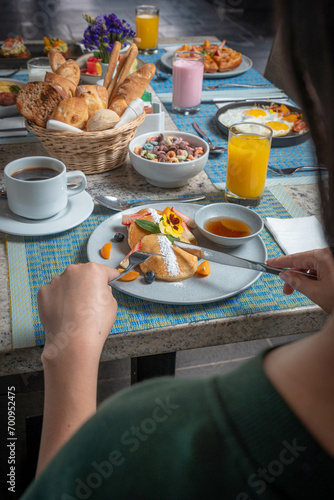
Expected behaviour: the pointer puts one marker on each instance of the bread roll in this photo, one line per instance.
(56, 59)
(96, 97)
(69, 69)
(103, 119)
(61, 84)
(37, 101)
(73, 111)
(134, 86)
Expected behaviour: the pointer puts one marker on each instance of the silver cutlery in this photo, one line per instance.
(234, 261)
(289, 171)
(11, 74)
(135, 259)
(213, 149)
(245, 85)
(117, 204)
(161, 76)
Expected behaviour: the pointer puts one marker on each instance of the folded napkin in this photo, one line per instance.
(14, 122)
(298, 234)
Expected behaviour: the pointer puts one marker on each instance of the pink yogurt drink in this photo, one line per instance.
(187, 83)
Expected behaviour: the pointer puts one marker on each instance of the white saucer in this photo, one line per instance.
(78, 209)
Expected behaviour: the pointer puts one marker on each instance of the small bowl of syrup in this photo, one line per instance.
(228, 225)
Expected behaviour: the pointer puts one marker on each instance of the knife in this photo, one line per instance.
(232, 260)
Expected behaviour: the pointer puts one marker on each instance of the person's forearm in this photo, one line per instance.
(70, 400)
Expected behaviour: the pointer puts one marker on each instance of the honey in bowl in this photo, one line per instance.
(228, 227)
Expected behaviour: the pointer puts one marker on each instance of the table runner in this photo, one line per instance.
(32, 262)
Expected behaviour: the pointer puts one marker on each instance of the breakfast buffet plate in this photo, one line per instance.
(234, 113)
(222, 282)
(11, 110)
(246, 63)
(78, 209)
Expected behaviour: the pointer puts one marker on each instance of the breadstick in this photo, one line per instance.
(137, 41)
(112, 63)
(123, 69)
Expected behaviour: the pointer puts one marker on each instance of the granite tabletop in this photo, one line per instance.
(126, 183)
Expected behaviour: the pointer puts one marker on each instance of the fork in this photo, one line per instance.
(135, 259)
(246, 85)
(289, 171)
(12, 73)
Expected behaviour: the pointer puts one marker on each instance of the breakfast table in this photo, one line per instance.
(148, 332)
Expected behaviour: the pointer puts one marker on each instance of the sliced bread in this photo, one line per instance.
(37, 101)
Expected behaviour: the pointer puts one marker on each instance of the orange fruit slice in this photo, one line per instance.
(204, 268)
(130, 276)
(106, 250)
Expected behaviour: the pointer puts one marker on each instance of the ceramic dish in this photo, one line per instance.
(78, 209)
(6, 111)
(168, 175)
(251, 218)
(246, 63)
(292, 139)
(223, 281)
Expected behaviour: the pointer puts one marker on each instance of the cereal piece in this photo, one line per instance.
(151, 156)
(173, 160)
(181, 157)
(171, 154)
(148, 145)
(138, 150)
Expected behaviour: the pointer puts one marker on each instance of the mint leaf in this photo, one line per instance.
(152, 227)
(172, 238)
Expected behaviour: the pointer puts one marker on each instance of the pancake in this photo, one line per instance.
(174, 265)
(136, 233)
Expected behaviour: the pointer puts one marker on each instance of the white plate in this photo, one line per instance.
(222, 282)
(78, 209)
(10, 110)
(246, 63)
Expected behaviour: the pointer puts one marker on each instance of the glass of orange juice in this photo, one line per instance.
(247, 162)
(147, 24)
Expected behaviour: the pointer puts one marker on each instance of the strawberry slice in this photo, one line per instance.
(128, 218)
(186, 219)
(125, 262)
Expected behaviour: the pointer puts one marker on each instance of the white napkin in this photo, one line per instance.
(297, 234)
(11, 123)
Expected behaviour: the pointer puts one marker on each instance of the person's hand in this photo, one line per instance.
(319, 262)
(77, 310)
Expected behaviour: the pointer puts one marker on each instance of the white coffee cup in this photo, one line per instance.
(42, 198)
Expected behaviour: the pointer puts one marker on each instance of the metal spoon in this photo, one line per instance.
(289, 171)
(161, 76)
(117, 204)
(213, 149)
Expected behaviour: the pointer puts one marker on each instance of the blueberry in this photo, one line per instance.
(149, 276)
(118, 237)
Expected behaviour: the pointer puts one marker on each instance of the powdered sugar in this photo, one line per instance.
(156, 217)
(169, 256)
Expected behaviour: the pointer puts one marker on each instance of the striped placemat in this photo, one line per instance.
(32, 262)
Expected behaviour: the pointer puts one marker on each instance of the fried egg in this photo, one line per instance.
(268, 117)
(279, 128)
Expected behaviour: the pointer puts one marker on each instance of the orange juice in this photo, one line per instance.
(247, 164)
(147, 29)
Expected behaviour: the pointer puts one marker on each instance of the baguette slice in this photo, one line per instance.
(70, 70)
(134, 86)
(37, 101)
(56, 59)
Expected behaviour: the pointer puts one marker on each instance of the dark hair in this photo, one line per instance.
(308, 35)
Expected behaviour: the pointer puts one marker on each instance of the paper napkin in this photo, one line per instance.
(8, 124)
(297, 234)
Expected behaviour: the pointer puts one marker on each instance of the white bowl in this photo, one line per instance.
(12, 110)
(168, 175)
(251, 218)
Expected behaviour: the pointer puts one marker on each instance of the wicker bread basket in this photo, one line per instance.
(90, 152)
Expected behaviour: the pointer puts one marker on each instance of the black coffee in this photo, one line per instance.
(35, 174)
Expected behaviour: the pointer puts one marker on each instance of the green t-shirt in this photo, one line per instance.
(226, 437)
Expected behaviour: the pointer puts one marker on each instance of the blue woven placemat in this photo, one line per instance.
(32, 262)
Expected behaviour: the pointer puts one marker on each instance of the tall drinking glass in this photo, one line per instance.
(147, 25)
(247, 162)
(188, 69)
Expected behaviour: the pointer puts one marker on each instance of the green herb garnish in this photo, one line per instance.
(14, 88)
(152, 227)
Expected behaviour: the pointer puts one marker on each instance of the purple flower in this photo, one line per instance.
(102, 33)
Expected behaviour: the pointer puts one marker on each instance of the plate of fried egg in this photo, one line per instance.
(285, 120)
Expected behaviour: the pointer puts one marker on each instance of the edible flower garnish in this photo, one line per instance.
(171, 223)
